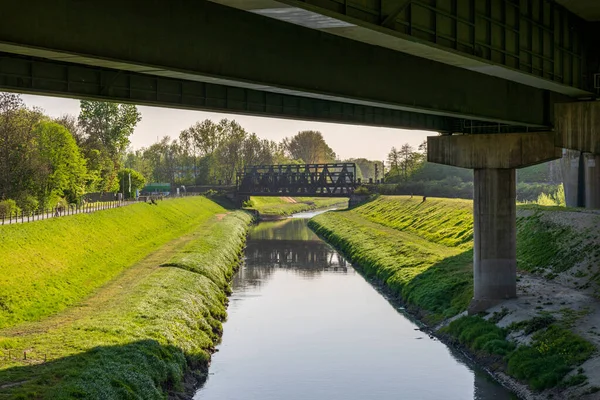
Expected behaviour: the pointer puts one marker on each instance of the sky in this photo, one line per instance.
(348, 141)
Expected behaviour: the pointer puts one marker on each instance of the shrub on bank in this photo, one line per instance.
(8, 208)
(552, 354)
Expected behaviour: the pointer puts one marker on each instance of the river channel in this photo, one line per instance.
(304, 325)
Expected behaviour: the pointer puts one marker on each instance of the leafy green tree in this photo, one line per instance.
(393, 160)
(108, 125)
(201, 140)
(104, 134)
(17, 147)
(229, 154)
(130, 180)
(61, 170)
(309, 146)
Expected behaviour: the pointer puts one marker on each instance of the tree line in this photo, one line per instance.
(45, 162)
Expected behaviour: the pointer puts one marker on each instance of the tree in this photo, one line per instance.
(104, 136)
(17, 147)
(130, 180)
(407, 160)
(365, 168)
(393, 160)
(60, 169)
(229, 156)
(202, 139)
(108, 125)
(310, 147)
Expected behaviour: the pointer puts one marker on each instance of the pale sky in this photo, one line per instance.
(348, 141)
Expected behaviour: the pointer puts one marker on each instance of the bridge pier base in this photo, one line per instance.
(494, 159)
(494, 237)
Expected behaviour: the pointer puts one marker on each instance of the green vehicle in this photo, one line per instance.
(157, 189)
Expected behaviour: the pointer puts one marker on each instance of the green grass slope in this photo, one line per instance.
(137, 336)
(422, 252)
(49, 265)
(419, 250)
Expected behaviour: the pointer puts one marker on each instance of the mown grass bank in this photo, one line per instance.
(422, 253)
(49, 265)
(284, 206)
(139, 335)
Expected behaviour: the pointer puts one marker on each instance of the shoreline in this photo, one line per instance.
(415, 314)
(401, 257)
(278, 217)
(141, 325)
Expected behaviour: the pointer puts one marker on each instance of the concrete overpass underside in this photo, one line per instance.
(201, 41)
(506, 81)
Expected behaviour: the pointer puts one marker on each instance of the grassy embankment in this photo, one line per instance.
(422, 252)
(284, 206)
(109, 322)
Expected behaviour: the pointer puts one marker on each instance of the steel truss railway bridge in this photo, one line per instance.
(312, 180)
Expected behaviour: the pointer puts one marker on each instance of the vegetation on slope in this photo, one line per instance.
(554, 350)
(138, 335)
(283, 206)
(417, 249)
(421, 252)
(547, 247)
(49, 265)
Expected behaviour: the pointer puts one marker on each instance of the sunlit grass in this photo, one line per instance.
(419, 250)
(48, 265)
(422, 252)
(138, 335)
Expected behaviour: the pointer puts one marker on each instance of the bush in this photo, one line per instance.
(362, 190)
(29, 204)
(553, 353)
(8, 208)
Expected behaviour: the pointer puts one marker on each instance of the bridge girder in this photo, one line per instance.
(206, 42)
(535, 42)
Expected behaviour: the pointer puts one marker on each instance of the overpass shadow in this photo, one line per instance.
(144, 367)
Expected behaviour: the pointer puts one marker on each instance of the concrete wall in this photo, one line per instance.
(570, 164)
(577, 126)
(515, 150)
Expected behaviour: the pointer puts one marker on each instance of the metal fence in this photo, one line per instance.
(47, 213)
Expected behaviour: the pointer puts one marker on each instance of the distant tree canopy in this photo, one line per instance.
(367, 169)
(209, 152)
(310, 147)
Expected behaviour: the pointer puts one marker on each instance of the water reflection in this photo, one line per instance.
(303, 325)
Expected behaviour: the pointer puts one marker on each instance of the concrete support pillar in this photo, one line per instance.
(577, 127)
(494, 159)
(591, 167)
(495, 237)
(573, 178)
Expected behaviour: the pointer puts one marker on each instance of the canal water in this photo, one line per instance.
(304, 325)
